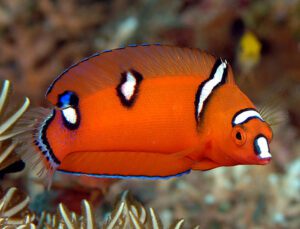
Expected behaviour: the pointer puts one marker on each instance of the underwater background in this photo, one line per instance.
(260, 39)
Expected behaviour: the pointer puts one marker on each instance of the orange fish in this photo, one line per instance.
(148, 111)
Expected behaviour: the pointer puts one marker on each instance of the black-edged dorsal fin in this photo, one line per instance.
(104, 69)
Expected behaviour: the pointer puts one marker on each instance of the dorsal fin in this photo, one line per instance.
(104, 69)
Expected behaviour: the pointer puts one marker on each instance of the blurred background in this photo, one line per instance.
(261, 40)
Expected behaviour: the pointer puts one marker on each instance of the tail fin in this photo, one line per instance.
(31, 147)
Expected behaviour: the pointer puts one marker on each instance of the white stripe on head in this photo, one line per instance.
(128, 87)
(245, 115)
(70, 115)
(210, 85)
(262, 147)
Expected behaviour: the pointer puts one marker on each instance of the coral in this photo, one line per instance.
(7, 156)
(128, 213)
(14, 209)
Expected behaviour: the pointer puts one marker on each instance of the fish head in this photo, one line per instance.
(250, 141)
(238, 133)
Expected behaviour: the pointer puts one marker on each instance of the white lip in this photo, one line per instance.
(262, 147)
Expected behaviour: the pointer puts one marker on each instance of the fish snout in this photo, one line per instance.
(261, 147)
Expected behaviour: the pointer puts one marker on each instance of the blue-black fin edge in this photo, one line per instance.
(118, 176)
(92, 56)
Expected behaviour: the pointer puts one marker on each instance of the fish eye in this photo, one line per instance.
(239, 135)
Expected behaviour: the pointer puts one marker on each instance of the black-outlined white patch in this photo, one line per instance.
(217, 78)
(68, 103)
(128, 87)
(245, 115)
(70, 115)
(42, 142)
(261, 147)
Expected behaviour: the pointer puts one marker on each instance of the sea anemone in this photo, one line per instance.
(7, 119)
(128, 213)
(14, 209)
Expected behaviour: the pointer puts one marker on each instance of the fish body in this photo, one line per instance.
(150, 112)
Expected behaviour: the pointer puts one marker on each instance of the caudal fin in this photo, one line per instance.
(31, 146)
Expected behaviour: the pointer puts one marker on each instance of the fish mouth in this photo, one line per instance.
(262, 149)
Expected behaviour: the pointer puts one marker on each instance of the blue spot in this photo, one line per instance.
(65, 99)
(68, 98)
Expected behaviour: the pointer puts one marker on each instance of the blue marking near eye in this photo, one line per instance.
(65, 99)
(126, 176)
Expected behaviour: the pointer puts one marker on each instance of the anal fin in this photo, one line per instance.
(125, 164)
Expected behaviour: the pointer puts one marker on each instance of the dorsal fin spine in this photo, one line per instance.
(69, 68)
(100, 71)
(92, 56)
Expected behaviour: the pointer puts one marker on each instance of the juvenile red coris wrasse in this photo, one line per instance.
(147, 111)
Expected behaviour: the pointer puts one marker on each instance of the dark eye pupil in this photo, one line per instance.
(238, 136)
